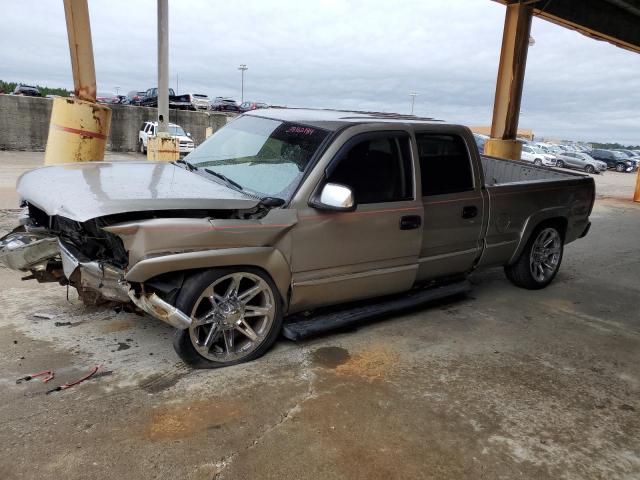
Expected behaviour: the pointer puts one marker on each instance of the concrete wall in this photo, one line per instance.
(24, 123)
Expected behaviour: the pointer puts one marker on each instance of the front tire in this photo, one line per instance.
(620, 167)
(236, 317)
(590, 169)
(540, 260)
(537, 162)
(560, 164)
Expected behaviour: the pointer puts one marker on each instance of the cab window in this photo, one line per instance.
(376, 170)
(445, 166)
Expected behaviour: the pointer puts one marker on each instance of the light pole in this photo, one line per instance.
(413, 100)
(242, 69)
(117, 91)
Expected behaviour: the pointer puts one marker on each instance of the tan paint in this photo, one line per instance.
(81, 49)
(497, 147)
(513, 59)
(163, 148)
(78, 131)
(636, 194)
(269, 259)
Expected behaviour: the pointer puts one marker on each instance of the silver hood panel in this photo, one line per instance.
(82, 191)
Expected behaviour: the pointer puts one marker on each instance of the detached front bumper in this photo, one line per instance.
(94, 280)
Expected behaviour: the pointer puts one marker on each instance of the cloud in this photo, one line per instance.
(342, 54)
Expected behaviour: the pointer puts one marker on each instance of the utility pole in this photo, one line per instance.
(177, 82)
(163, 65)
(117, 91)
(413, 100)
(242, 69)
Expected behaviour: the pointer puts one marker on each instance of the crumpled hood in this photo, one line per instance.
(82, 191)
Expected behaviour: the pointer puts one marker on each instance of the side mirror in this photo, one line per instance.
(334, 197)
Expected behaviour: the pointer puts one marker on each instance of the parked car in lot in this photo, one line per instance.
(287, 211)
(480, 141)
(118, 99)
(134, 97)
(581, 161)
(220, 104)
(629, 153)
(199, 101)
(180, 102)
(248, 106)
(27, 91)
(533, 154)
(149, 129)
(616, 160)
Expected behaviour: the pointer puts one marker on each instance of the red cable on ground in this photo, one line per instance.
(49, 376)
(75, 382)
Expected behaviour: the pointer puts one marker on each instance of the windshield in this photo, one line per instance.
(264, 155)
(176, 130)
(620, 155)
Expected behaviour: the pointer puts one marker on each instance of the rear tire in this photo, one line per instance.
(226, 328)
(540, 260)
(590, 169)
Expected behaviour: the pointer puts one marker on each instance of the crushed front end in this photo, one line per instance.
(78, 254)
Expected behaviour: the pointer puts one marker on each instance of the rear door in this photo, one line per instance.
(454, 206)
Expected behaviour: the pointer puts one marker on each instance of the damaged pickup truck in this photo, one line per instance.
(284, 213)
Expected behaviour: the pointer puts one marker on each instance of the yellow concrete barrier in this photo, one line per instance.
(636, 195)
(208, 132)
(163, 148)
(78, 131)
(496, 147)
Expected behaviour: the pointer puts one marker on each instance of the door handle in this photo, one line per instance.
(410, 222)
(470, 211)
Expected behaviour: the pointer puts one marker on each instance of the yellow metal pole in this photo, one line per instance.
(513, 60)
(636, 195)
(79, 127)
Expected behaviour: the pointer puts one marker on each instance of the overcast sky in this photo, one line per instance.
(365, 55)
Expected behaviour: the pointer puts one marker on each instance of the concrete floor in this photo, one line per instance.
(502, 384)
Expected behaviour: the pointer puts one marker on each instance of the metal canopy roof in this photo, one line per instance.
(615, 21)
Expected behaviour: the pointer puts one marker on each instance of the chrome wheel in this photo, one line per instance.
(560, 164)
(232, 317)
(545, 254)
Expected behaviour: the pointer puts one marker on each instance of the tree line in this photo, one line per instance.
(9, 87)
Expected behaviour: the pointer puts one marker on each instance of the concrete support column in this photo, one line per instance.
(79, 128)
(513, 60)
(163, 147)
(163, 66)
(636, 195)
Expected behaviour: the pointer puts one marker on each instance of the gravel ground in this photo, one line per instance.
(501, 384)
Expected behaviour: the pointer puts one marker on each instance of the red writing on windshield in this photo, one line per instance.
(301, 130)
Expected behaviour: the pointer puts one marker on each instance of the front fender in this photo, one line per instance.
(270, 259)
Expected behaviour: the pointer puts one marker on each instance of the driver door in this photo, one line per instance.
(372, 250)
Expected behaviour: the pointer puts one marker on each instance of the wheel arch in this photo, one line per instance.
(268, 259)
(557, 217)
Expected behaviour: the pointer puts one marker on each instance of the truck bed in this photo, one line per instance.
(522, 196)
(498, 171)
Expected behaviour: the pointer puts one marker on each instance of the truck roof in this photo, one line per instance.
(335, 119)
